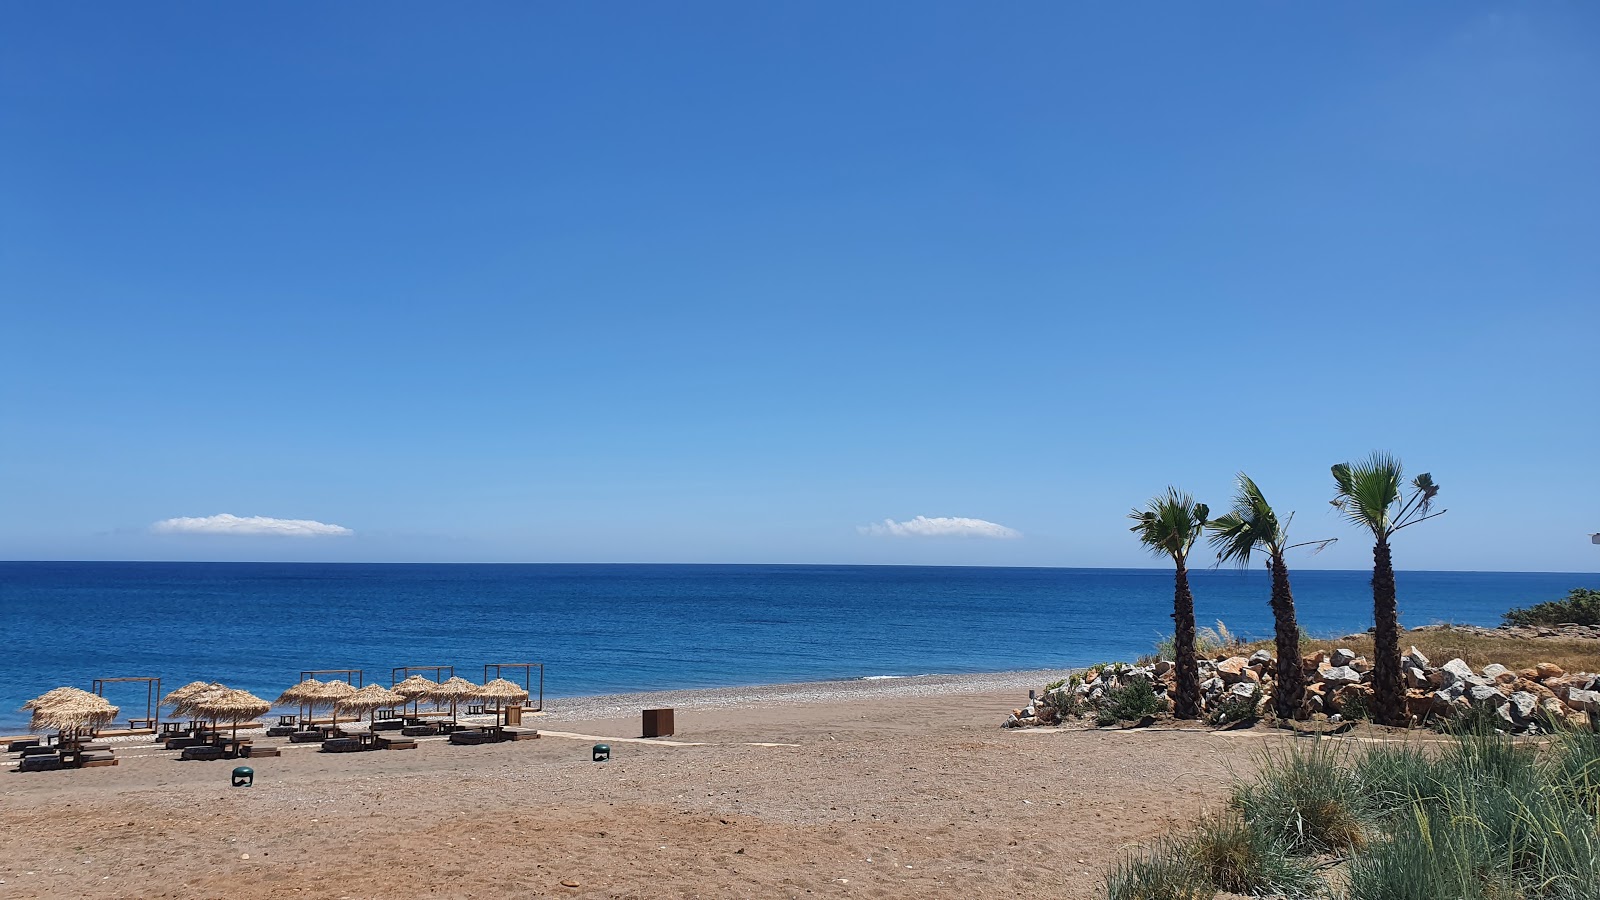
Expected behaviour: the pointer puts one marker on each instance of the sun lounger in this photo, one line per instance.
(40, 763)
(387, 743)
(341, 745)
(202, 752)
(419, 730)
(512, 733)
(253, 752)
(21, 744)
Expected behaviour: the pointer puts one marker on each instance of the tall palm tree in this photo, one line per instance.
(1373, 496)
(1169, 525)
(1253, 525)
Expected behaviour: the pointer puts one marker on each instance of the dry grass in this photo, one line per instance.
(1477, 650)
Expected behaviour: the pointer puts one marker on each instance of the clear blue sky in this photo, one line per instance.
(728, 282)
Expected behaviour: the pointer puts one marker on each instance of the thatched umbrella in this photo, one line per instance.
(70, 710)
(188, 705)
(303, 694)
(370, 699)
(331, 693)
(179, 698)
(454, 689)
(415, 689)
(233, 705)
(57, 695)
(502, 691)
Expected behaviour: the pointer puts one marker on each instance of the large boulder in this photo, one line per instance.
(1233, 668)
(1523, 705)
(1415, 659)
(1415, 677)
(1584, 701)
(1361, 664)
(1341, 675)
(1342, 657)
(1312, 662)
(1549, 670)
(1497, 672)
(1456, 670)
(1484, 695)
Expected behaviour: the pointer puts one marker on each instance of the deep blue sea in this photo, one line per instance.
(613, 628)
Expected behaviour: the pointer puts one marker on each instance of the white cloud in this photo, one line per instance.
(226, 523)
(941, 526)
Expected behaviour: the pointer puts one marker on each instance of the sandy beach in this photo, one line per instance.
(889, 788)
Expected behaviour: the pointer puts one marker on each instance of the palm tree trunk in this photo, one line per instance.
(1186, 705)
(1388, 694)
(1290, 688)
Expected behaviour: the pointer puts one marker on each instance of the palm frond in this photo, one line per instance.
(1170, 523)
(1366, 491)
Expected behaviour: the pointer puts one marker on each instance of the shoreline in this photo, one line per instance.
(872, 687)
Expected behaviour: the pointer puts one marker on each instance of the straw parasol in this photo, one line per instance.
(178, 698)
(331, 692)
(454, 689)
(415, 688)
(301, 694)
(501, 690)
(57, 695)
(370, 699)
(69, 709)
(235, 706)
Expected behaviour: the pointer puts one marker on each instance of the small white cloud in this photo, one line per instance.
(226, 523)
(941, 526)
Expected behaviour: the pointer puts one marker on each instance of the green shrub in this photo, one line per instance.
(1162, 870)
(1067, 704)
(1233, 708)
(1235, 857)
(1581, 605)
(1306, 797)
(1573, 767)
(1133, 699)
(1396, 776)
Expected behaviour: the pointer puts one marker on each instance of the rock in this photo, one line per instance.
(1418, 705)
(1415, 677)
(1242, 689)
(1457, 670)
(1481, 694)
(1213, 685)
(1504, 712)
(1530, 674)
(1522, 705)
(1250, 677)
(1232, 668)
(1342, 657)
(1549, 670)
(1311, 662)
(1360, 664)
(1415, 659)
(1584, 701)
(1534, 688)
(1340, 675)
(1493, 671)
(1161, 667)
(1261, 658)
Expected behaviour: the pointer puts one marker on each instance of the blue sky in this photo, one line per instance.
(734, 282)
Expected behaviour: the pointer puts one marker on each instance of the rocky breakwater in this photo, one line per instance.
(1339, 687)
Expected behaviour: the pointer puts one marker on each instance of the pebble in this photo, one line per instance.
(570, 882)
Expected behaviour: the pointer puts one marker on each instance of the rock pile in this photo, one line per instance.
(1339, 686)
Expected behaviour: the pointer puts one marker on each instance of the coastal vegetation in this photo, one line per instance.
(1488, 817)
(1581, 606)
(1168, 526)
(1253, 525)
(1372, 495)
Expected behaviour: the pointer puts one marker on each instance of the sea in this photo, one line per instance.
(602, 629)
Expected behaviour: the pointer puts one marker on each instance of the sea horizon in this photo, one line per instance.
(619, 628)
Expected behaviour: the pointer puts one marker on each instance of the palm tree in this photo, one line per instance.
(1249, 526)
(1169, 525)
(1372, 495)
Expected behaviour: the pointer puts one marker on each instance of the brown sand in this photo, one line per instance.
(901, 788)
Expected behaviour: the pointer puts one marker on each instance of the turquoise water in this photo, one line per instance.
(612, 628)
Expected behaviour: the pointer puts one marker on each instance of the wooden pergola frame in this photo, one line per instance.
(527, 681)
(152, 707)
(354, 676)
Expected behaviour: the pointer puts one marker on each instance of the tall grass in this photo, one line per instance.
(1488, 818)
